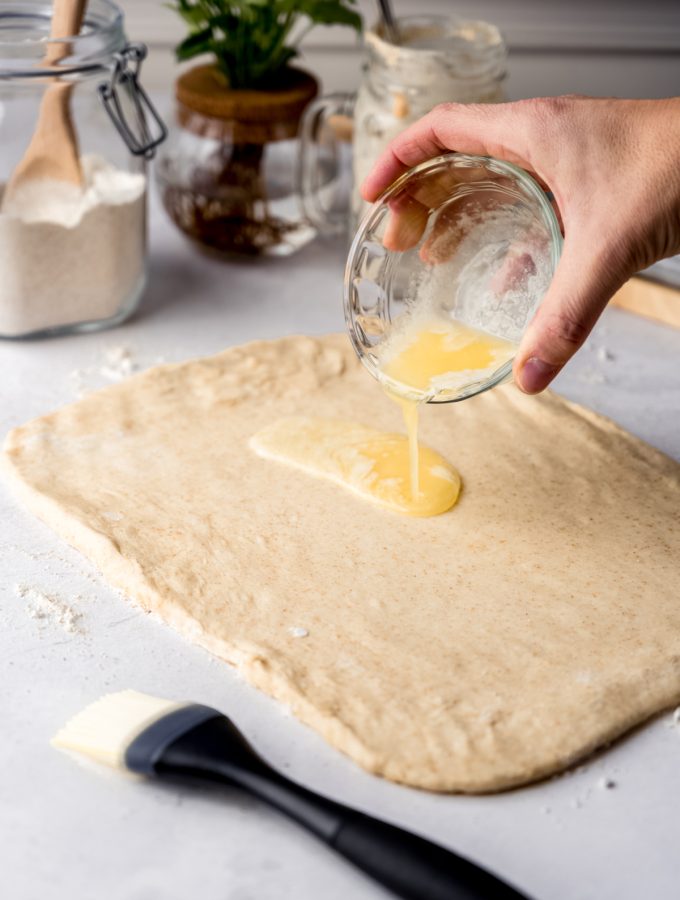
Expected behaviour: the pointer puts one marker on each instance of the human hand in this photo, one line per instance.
(613, 167)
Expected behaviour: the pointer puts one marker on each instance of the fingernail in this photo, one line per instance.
(535, 375)
(366, 195)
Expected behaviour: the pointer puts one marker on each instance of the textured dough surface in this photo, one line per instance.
(471, 651)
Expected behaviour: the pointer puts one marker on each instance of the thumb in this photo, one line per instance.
(583, 284)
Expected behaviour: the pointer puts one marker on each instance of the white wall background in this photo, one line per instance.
(628, 48)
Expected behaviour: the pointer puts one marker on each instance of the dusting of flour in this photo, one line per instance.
(49, 608)
(112, 363)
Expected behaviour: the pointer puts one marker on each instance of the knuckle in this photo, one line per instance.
(546, 118)
(442, 110)
(564, 330)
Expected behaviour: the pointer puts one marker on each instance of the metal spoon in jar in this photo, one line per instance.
(389, 21)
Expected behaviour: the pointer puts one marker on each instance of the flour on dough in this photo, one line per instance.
(471, 651)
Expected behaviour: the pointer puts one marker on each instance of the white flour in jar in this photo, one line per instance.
(71, 254)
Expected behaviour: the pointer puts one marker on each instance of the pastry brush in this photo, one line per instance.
(165, 739)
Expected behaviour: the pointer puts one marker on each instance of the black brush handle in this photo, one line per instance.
(212, 748)
(413, 867)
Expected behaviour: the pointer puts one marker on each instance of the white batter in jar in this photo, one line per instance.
(438, 60)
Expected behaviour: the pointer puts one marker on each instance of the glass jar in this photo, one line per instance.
(227, 175)
(72, 253)
(458, 253)
(438, 59)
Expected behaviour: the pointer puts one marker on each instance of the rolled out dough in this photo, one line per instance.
(472, 651)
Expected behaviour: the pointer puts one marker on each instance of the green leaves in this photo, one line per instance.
(324, 12)
(253, 40)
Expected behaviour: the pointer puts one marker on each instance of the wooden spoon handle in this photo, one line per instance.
(53, 150)
(67, 18)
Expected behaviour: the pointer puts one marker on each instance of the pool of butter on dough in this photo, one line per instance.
(425, 356)
(373, 464)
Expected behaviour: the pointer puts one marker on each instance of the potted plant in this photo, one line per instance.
(226, 175)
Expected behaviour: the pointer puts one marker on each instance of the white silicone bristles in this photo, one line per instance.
(105, 729)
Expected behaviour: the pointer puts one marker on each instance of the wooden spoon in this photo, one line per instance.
(53, 151)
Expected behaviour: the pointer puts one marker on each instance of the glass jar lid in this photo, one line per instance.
(25, 39)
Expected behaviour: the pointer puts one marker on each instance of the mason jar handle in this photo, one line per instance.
(327, 124)
(148, 129)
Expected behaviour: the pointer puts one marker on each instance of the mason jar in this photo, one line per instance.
(72, 249)
(438, 59)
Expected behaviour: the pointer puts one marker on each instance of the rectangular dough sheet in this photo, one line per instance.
(476, 650)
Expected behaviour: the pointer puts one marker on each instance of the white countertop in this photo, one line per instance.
(67, 832)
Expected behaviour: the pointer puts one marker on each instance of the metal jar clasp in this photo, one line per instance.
(128, 105)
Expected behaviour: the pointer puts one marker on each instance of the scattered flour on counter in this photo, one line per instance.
(595, 374)
(119, 363)
(605, 355)
(49, 557)
(77, 379)
(606, 784)
(49, 608)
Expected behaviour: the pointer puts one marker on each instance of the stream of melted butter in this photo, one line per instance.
(432, 357)
(391, 469)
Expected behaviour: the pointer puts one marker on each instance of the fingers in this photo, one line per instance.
(406, 223)
(452, 224)
(582, 286)
(484, 129)
(428, 197)
(410, 207)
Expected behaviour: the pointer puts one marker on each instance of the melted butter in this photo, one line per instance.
(426, 359)
(433, 356)
(430, 357)
(373, 464)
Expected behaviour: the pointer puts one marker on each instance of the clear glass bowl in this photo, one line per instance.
(464, 238)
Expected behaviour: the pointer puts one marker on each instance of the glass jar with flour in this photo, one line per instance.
(76, 129)
(438, 59)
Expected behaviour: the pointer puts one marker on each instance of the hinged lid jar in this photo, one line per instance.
(72, 255)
